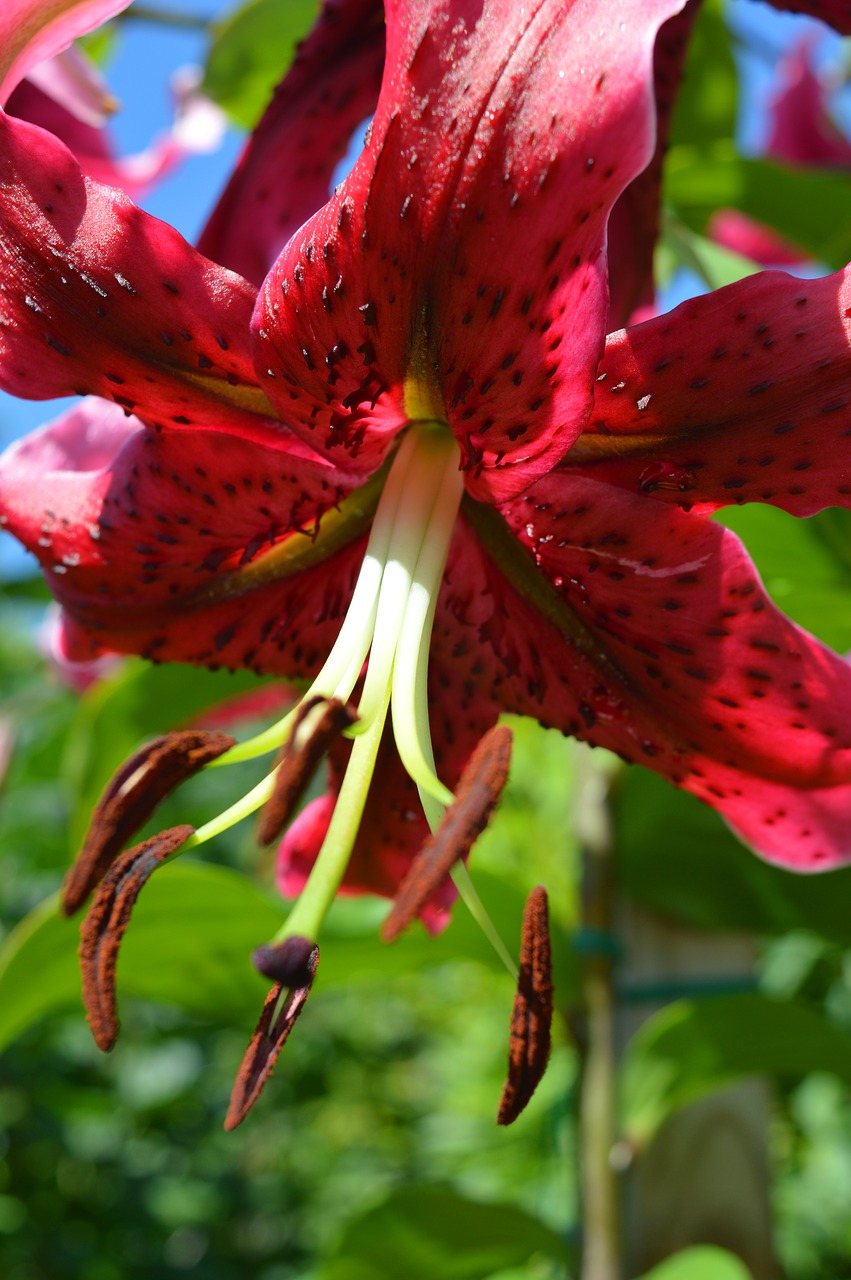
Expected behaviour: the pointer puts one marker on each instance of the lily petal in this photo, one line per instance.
(33, 30)
(287, 168)
(743, 395)
(107, 299)
(501, 140)
(148, 544)
(659, 642)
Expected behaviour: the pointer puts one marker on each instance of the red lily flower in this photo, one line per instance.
(413, 449)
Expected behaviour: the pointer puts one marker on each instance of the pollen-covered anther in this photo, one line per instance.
(297, 959)
(106, 923)
(532, 1015)
(319, 722)
(131, 796)
(476, 797)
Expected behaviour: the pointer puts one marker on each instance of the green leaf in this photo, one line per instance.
(705, 107)
(676, 856)
(251, 52)
(138, 703)
(801, 571)
(702, 1263)
(424, 1231)
(715, 265)
(809, 207)
(190, 944)
(692, 1048)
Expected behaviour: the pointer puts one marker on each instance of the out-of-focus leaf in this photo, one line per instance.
(702, 1263)
(352, 952)
(833, 529)
(192, 935)
(705, 109)
(140, 702)
(715, 265)
(692, 1048)
(190, 944)
(676, 856)
(808, 207)
(425, 1231)
(802, 573)
(250, 53)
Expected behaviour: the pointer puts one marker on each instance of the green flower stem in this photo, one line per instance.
(307, 915)
(243, 808)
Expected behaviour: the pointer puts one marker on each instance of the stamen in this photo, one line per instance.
(104, 927)
(282, 1006)
(131, 796)
(466, 818)
(343, 665)
(302, 755)
(531, 1017)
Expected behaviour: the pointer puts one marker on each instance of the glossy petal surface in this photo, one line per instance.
(465, 249)
(33, 30)
(743, 395)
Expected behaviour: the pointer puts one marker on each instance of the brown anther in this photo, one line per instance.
(131, 796)
(299, 763)
(106, 922)
(532, 1015)
(269, 1038)
(464, 821)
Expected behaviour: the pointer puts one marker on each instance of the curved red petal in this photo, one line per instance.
(657, 640)
(743, 395)
(99, 297)
(465, 251)
(286, 171)
(163, 544)
(837, 13)
(33, 30)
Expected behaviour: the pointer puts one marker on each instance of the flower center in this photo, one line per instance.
(389, 623)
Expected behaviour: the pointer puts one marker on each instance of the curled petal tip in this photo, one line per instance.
(476, 797)
(106, 923)
(531, 1017)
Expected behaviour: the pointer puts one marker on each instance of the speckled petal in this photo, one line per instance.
(466, 248)
(99, 297)
(286, 171)
(743, 395)
(647, 631)
(153, 547)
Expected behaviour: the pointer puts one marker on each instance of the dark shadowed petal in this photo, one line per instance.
(106, 299)
(837, 13)
(647, 631)
(634, 222)
(739, 396)
(466, 249)
(165, 544)
(286, 172)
